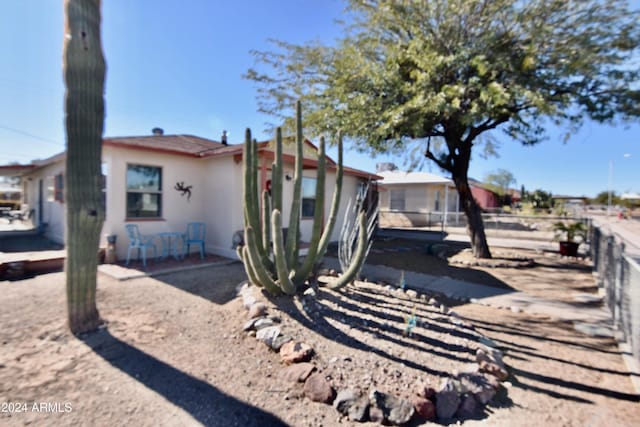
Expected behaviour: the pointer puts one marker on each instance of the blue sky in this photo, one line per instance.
(178, 65)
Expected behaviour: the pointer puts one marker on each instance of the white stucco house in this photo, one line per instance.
(145, 178)
(415, 199)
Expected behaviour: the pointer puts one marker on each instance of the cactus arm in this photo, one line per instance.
(276, 174)
(305, 270)
(359, 256)
(242, 252)
(288, 287)
(266, 225)
(335, 204)
(293, 237)
(255, 261)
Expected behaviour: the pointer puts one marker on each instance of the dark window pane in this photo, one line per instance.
(308, 206)
(144, 205)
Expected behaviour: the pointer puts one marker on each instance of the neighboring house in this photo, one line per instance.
(417, 199)
(485, 197)
(162, 182)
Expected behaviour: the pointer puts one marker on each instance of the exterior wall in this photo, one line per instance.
(177, 210)
(46, 210)
(222, 204)
(420, 203)
(485, 198)
(216, 198)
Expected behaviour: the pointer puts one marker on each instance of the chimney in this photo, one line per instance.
(223, 139)
(157, 131)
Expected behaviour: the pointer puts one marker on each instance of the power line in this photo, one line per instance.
(30, 135)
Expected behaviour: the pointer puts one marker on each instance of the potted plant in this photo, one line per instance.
(570, 235)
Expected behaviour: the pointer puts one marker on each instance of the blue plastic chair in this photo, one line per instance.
(195, 235)
(140, 242)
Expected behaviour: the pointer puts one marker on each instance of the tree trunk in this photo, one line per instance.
(475, 225)
(84, 74)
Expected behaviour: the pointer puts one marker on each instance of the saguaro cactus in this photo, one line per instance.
(275, 265)
(84, 73)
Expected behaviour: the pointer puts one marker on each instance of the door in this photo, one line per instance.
(40, 201)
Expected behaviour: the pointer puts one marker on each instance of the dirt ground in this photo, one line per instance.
(172, 351)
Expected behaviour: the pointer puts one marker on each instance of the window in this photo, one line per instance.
(50, 183)
(58, 188)
(144, 191)
(308, 196)
(436, 206)
(396, 202)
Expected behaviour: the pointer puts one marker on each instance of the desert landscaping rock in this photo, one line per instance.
(351, 404)
(257, 310)
(395, 410)
(263, 322)
(494, 369)
(468, 408)
(295, 352)
(447, 400)
(424, 407)
(298, 372)
(277, 343)
(268, 334)
(318, 389)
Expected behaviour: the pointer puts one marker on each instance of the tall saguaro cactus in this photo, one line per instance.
(84, 74)
(275, 264)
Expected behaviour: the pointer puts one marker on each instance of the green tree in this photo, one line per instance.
(500, 181)
(454, 72)
(84, 71)
(602, 198)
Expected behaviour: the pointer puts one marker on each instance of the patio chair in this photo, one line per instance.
(195, 236)
(24, 214)
(140, 242)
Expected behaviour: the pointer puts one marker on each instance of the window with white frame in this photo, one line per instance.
(436, 204)
(144, 191)
(396, 199)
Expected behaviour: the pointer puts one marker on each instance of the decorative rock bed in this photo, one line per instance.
(460, 396)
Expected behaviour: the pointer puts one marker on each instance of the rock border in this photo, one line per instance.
(461, 396)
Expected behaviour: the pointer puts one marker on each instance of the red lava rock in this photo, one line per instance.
(494, 369)
(295, 352)
(318, 389)
(424, 407)
(297, 372)
(425, 391)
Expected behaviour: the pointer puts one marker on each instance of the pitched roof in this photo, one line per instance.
(185, 145)
(399, 177)
(177, 144)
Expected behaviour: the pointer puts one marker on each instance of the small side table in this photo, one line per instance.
(170, 243)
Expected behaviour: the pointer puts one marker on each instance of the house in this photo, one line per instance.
(415, 199)
(162, 182)
(486, 198)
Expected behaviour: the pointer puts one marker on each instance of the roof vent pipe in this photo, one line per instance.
(223, 139)
(157, 131)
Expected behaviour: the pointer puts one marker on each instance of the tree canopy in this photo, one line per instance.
(456, 70)
(500, 180)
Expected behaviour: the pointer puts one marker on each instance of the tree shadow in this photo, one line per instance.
(204, 402)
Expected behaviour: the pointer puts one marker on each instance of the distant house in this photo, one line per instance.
(162, 182)
(486, 198)
(416, 199)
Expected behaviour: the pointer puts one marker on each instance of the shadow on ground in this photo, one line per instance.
(205, 403)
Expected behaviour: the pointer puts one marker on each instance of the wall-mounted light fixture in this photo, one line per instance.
(288, 177)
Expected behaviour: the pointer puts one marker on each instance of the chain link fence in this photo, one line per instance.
(618, 275)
